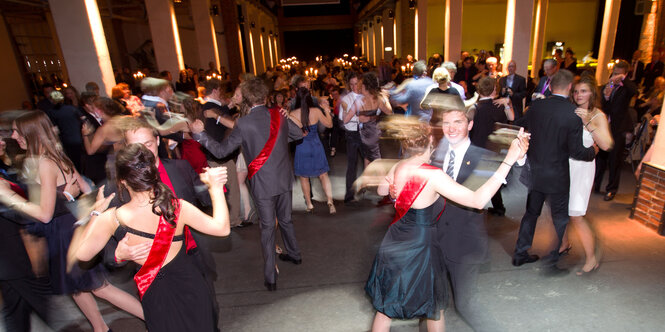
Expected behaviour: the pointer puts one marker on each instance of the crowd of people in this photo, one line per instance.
(165, 162)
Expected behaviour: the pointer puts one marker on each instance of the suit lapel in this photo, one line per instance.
(469, 163)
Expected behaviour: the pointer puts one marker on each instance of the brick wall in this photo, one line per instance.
(649, 199)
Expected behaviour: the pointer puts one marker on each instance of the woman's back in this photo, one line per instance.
(143, 220)
(412, 170)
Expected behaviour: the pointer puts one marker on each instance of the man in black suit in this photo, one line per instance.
(544, 88)
(556, 135)
(636, 68)
(217, 119)
(265, 148)
(513, 86)
(615, 102)
(22, 292)
(461, 230)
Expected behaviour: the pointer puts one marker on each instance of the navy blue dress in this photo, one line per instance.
(84, 276)
(407, 278)
(310, 158)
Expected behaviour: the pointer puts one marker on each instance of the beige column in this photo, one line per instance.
(397, 29)
(12, 83)
(538, 36)
(165, 36)
(453, 30)
(370, 43)
(388, 34)
(421, 30)
(206, 39)
(518, 34)
(607, 36)
(378, 40)
(81, 36)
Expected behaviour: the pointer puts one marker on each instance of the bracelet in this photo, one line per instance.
(509, 165)
(94, 213)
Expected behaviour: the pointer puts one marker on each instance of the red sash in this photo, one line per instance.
(262, 157)
(410, 192)
(160, 248)
(189, 239)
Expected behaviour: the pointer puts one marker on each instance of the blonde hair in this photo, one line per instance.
(153, 86)
(441, 75)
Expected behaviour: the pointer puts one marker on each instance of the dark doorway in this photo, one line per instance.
(307, 45)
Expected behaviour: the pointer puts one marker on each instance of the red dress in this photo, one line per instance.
(192, 152)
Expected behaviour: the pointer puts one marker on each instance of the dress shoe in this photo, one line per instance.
(244, 224)
(609, 196)
(271, 287)
(287, 258)
(518, 261)
(566, 251)
(500, 212)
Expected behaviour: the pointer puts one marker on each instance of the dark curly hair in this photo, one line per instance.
(371, 83)
(135, 166)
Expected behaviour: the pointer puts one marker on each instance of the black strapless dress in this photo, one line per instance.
(178, 299)
(407, 278)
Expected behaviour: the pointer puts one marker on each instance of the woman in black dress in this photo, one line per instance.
(173, 291)
(57, 181)
(406, 280)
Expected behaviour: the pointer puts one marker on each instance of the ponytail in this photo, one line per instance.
(163, 203)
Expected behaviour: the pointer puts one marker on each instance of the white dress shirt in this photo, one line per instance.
(349, 99)
(460, 151)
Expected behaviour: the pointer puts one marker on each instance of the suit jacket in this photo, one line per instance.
(556, 135)
(461, 230)
(251, 132)
(413, 94)
(616, 107)
(540, 86)
(519, 92)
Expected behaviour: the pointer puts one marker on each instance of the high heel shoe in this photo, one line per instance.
(309, 208)
(581, 272)
(331, 207)
(565, 251)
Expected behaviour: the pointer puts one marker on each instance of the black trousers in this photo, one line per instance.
(463, 281)
(534, 204)
(353, 149)
(268, 209)
(20, 297)
(497, 200)
(612, 160)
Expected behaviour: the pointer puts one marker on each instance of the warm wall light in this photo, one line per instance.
(214, 10)
(391, 14)
(388, 49)
(252, 25)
